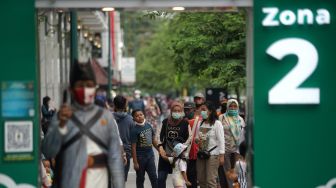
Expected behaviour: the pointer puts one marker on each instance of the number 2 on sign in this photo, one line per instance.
(287, 90)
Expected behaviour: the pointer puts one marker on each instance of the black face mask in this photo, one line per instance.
(223, 108)
(190, 115)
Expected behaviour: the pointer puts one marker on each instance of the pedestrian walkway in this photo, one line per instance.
(131, 180)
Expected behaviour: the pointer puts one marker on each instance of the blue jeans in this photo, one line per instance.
(192, 173)
(164, 169)
(162, 178)
(146, 164)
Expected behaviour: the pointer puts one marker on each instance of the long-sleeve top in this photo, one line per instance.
(210, 136)
(75, 156)
(125, 124)
(231, 145)
(47, 113)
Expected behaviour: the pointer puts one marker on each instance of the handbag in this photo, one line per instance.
(205, 154)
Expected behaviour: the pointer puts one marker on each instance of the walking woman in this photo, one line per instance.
(234, 135)
(211, 142)
(174, 130)
(48, 110)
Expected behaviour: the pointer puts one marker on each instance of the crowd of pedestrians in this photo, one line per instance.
(91, 141)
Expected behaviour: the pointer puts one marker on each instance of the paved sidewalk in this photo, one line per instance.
(131, 180)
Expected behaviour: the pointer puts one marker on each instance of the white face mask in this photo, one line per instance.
(85, 95)
(89, 95)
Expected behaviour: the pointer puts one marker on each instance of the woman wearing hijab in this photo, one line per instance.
(174, 130)
(234, 134)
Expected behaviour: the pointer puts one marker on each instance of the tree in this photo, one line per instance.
(155, 70)
(137, 27)
(190, 50)
(211, 46)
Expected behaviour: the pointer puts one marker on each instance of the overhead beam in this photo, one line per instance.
(140, 3)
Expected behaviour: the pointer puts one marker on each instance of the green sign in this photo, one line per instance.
(19, 117)
(17, 99)
(294, 94)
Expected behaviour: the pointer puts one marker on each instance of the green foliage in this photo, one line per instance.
(155, 70)
(187, 50)
(211, 46)
(137, 27)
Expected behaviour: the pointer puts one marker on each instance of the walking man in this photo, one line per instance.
(84, 138)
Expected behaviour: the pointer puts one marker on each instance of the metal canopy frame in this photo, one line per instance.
(140, 3)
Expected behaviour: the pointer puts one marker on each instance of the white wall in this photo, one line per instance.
(54, 65)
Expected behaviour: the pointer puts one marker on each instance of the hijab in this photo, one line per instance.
(171, 121)
(234, 122)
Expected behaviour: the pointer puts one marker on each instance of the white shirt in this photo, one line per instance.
(95, 177)
(177, 177)
(211, 136)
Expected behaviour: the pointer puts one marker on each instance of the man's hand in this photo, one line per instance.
(136, 166)
(230, 174)
(162, 152)
(64, 114)
(188, 183)
(221, 160)
(236, 185)
(125, 159)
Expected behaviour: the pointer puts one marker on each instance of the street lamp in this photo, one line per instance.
(178, 8)
(109, 73)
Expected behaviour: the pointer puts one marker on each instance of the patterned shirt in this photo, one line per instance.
(143, 136)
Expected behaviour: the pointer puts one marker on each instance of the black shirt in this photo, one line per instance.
(170, 135)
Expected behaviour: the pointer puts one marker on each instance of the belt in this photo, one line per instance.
(97, 161)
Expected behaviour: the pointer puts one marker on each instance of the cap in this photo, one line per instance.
(200, 95)
(189, 105)
(179, 148)
(81, 71)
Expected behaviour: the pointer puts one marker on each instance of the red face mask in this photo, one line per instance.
(84, 95)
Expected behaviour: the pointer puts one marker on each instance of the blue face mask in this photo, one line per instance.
(177, 115)
(204, 114)
(232, 112)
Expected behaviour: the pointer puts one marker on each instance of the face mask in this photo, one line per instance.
(84, 95)
(204, 114)
(177, 115)
(190, 115)
(232, 112)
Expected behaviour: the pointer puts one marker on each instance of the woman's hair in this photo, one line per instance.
(45, 100)
(213, 115)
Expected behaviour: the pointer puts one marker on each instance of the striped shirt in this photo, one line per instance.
(240, 169)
